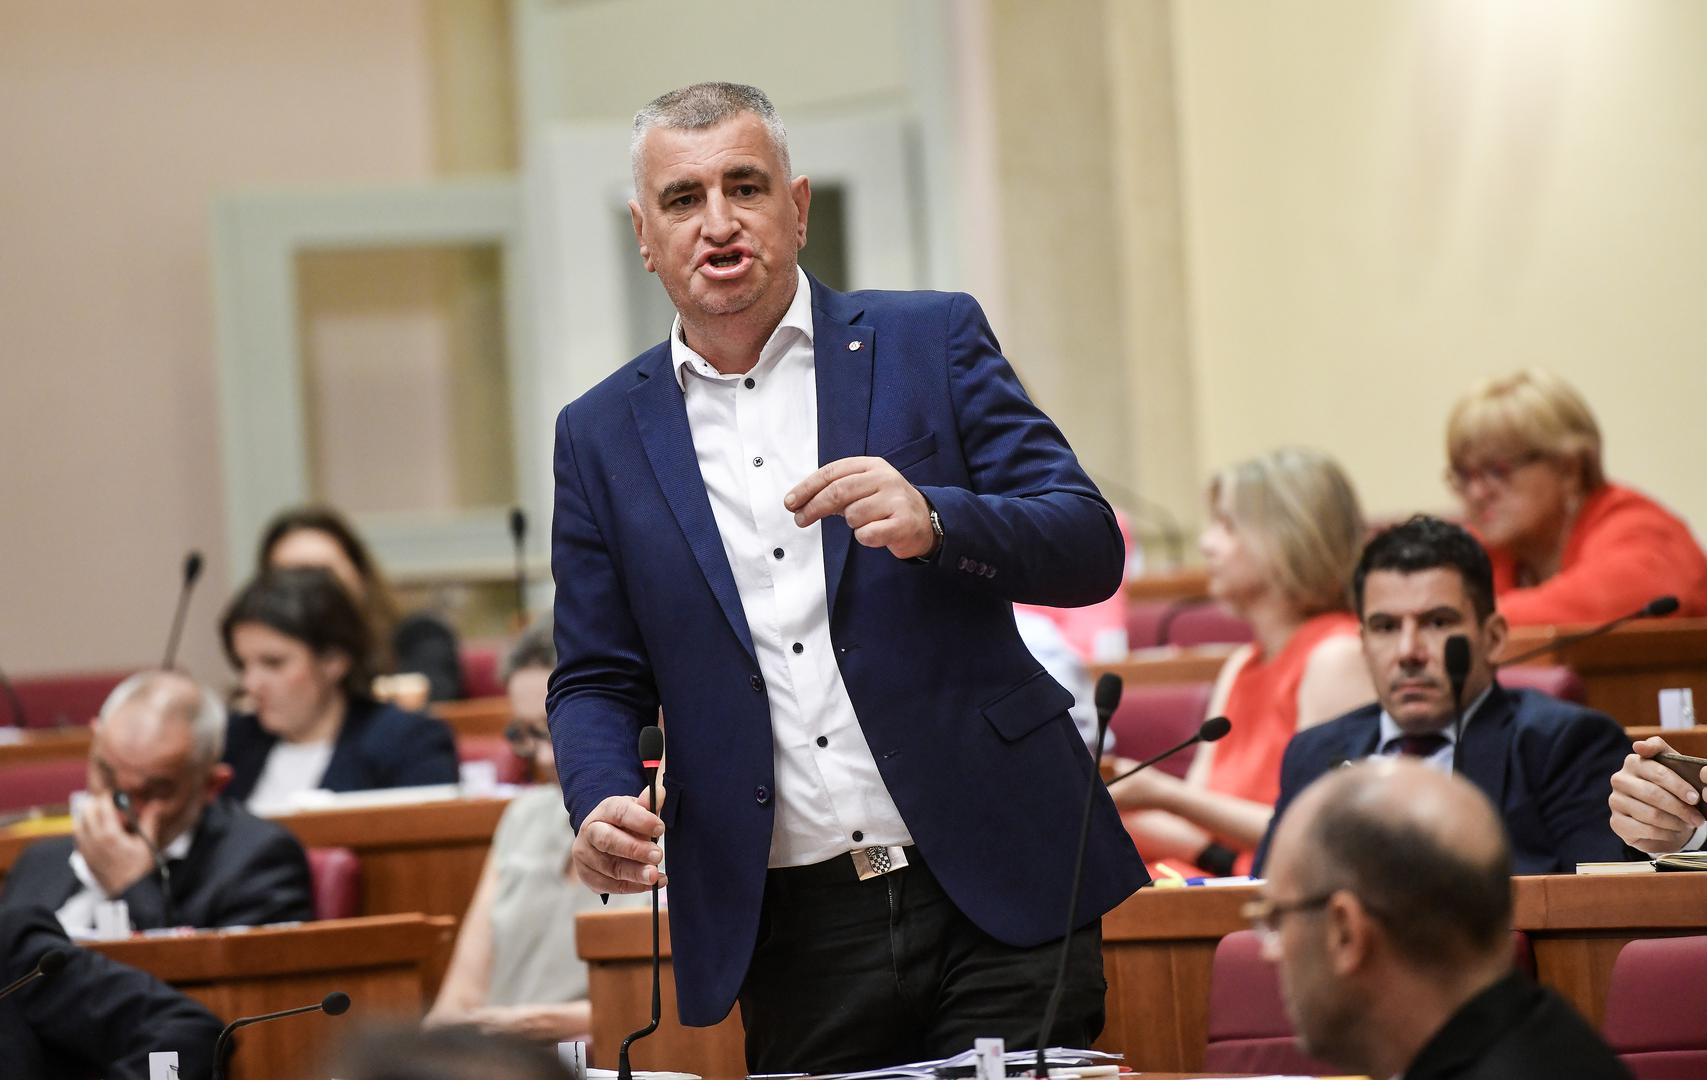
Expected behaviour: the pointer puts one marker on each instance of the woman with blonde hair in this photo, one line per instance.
(1284, 533)
(1567, 545)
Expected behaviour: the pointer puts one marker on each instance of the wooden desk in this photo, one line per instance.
(1692, 741)
(1184, 584)
(1158, 947)
(46, 744)
(384, 965)
(423, 857)
(1168, 664)
(1624, 671)
(474, 717)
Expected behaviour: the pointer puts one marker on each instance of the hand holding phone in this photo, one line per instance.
(1685, 766)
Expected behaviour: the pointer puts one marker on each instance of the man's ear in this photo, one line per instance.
(1494, 634)
(800, 190)
(639, 222)
(1350, 933)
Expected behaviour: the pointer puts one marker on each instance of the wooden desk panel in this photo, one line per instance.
(475, 716)
(46, 744)
(1168, 665)
(1158, 948)
(384, 965)
(1183, 584)
(1624, 671)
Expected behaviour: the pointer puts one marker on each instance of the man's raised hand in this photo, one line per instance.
(878, 503)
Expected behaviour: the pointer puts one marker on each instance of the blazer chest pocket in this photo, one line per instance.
(1028, 706)
(912, 452)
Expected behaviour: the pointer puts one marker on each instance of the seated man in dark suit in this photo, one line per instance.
(157, 742)
(1388, 911)
(95, 1016)
(1545, 763)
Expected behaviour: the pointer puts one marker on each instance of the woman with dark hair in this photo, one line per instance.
(420, 642)
(302, 651)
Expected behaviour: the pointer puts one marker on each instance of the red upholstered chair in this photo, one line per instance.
(1204, 623)
(1150, 719)
(1656, 1008)
(480, 670)
(41, 783)
(1143, 620)
(1552, 679)
(493, 748)
(1248, 1028)
(335, 875)
(67, 698)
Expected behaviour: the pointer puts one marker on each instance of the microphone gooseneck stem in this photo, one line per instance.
(19, 720)
(177, 628)
(22, 981)
(1152, 759)
(1646, 611)
(624, 1069)
(222, 1045)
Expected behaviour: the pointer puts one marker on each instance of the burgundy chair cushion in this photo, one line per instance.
(1656, 1008)
(41, 783)
(1522, 953)
(1143, 621)
(480, 670)
(1207, 624)
(1149, 719)
(1248, 1028)
(67, 698)
(493, 748)
(335, 875)
(1554, 680)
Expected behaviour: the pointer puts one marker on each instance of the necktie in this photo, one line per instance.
(1421, 746)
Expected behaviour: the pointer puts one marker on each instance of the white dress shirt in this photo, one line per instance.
(756, 436)
(77, 914)
(1440, 760)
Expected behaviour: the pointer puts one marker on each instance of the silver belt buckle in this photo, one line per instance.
(876, 861)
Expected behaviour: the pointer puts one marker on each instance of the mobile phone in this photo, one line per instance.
(1685, 766)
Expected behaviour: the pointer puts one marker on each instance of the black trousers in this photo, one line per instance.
(852, 974)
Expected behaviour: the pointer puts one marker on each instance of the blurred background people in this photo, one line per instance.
(301, 648)
(1546, 763)
(1387, 910)
(95, 1017)
(515, 968)
(1284, 533)
(1567, 545)
(157, 741)
(420, 642)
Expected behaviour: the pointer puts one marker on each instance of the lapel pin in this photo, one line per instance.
(853, 346)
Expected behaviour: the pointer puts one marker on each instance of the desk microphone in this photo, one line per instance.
(651, 756)
(1457, 660)
(19, 719)
(1107, 696)
(1211, 730)
(1657, 608)
(128, 811)
(518, 537)
(46, 967)
(334, 1004)
(192, 571)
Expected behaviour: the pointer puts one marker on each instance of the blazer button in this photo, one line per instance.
(758, 683)
(762, 795)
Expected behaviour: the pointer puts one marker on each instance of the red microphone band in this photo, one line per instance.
(653, 764)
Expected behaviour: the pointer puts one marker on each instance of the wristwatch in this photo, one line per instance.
(929, 557)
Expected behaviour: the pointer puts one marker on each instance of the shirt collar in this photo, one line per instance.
(797, 319)
(1391, 731)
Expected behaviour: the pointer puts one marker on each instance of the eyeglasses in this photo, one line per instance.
(1494, 473)
(1264, 914)
(523, 736)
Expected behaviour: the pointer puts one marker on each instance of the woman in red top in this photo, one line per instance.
(1284, 533)
(1566, 545)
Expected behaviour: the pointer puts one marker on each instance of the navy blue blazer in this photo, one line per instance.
(971, 736)
(379, 746)
(1547, 765)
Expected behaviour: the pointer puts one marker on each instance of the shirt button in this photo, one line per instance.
(762, 795)
(858, 836)
(823, 740)
(777, 552)
(758, 461)
(749, 384)
(757, 682)
(799, 648)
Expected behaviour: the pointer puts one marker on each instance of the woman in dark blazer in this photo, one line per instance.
(301, 648)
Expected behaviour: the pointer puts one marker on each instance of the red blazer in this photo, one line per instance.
(1624, 550)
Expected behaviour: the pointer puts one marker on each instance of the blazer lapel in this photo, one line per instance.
(842, 355)
(1482, 758)
(662, 417)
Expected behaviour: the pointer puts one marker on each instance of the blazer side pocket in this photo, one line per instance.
(1025, 708)
(912, 452)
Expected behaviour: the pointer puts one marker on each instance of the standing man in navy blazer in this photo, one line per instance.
(798, 527)
(1545, 763)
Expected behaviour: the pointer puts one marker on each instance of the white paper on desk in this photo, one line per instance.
(162, 1065)
(1677, 708)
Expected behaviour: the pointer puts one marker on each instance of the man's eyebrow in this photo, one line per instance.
(746, 172)
(674, 188)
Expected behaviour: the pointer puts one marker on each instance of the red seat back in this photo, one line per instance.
(1552, 679)
(1656, 1008)
(1205, 624)
(335, 875)
(493, 748)
(480, 670)
(67, 698)
(41, 783)
(1248, 1028)
(1150, 719)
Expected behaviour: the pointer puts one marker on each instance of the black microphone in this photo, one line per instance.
(192, 571)
(518, 537)
(19, 719)
(1211, 730)
(128, 811)
(651, 756)
(1657, 608)
(334, 1004)
(1457, 660)
(47, 966)
(1107, 696)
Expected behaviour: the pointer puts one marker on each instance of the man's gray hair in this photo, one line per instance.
(704, 105)
(179, 696)
(536, 648)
